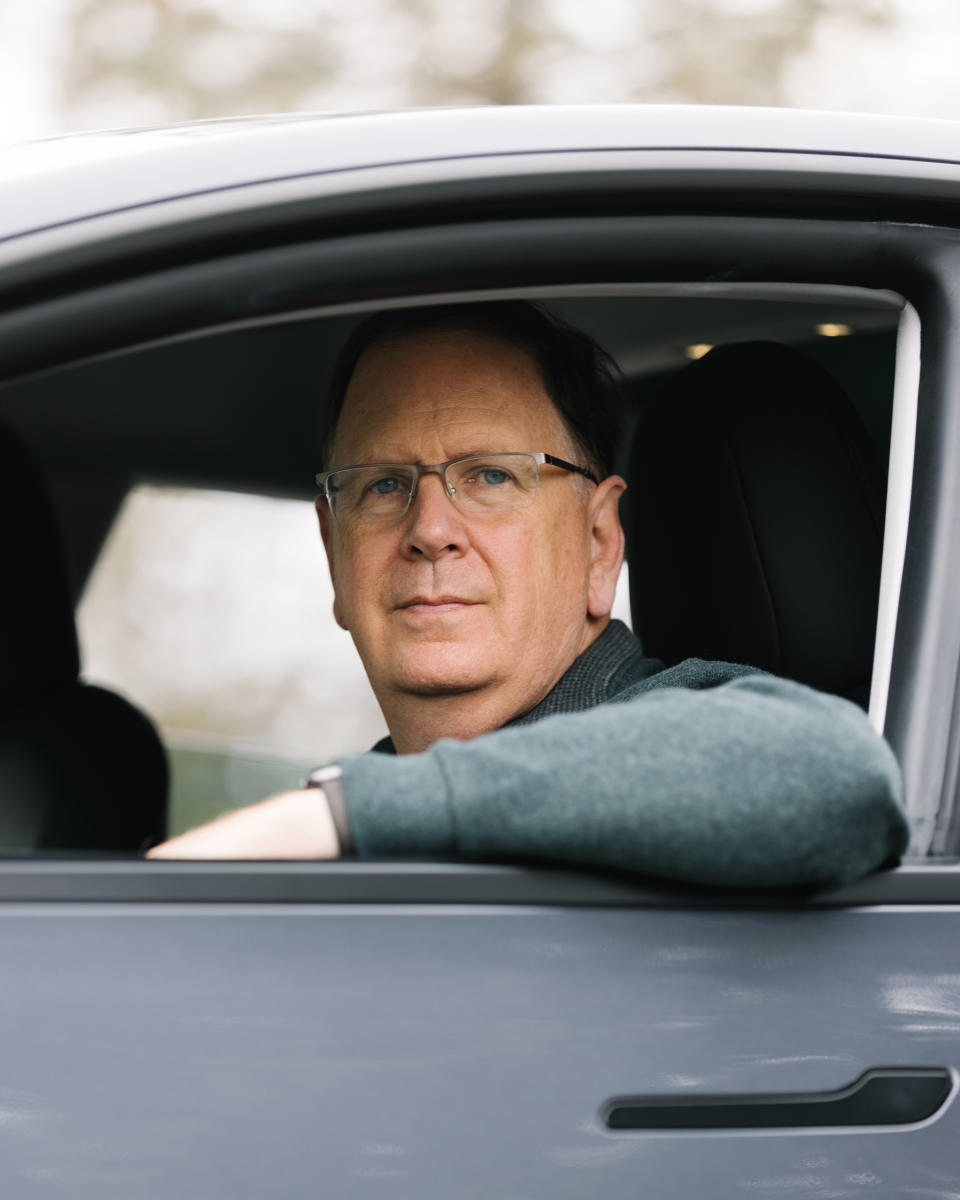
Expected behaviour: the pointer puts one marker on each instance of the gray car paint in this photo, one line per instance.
(59, 180)
(343, 1050)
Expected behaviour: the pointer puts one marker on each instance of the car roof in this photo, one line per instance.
(58, 180)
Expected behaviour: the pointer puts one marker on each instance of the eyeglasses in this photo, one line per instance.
(480, 483)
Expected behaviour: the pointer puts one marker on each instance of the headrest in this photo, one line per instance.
(755, 520)
(38, 643)
(81, 770)
(79, 766)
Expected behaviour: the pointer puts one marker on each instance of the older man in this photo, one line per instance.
(470, 521)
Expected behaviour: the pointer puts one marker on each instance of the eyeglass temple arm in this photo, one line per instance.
(562, 462)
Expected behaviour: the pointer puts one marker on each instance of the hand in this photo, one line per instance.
(291, 825)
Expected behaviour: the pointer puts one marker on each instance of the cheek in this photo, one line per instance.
(543, 568)
(567, 547)
(356, 586)
(508, 555)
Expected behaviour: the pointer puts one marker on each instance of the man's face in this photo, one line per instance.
(439, 601)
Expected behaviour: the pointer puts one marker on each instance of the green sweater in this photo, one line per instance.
(705, 773)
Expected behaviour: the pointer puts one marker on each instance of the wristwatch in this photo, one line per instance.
(330, 780)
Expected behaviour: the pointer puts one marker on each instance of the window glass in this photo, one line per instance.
(212, 611)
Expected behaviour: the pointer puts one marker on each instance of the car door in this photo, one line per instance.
(493, 1030)
(451, 1030)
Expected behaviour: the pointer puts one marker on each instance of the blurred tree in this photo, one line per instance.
(142, 61)
(740, 53)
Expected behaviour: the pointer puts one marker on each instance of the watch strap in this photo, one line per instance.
(330, 779)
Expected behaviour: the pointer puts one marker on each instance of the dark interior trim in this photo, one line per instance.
(260, 284)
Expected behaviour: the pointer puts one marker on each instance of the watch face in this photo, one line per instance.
(324, 775)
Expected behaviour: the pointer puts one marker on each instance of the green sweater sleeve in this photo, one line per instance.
(758, 782)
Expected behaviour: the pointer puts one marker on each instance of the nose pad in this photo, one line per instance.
(445, 484)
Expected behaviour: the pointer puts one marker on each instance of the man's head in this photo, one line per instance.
(462, 608)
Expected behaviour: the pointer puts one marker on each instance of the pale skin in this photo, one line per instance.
(462, 621)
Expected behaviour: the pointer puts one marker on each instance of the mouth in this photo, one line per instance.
(435, 605)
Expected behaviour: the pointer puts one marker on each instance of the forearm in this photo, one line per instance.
(290, 825)
(756, 783)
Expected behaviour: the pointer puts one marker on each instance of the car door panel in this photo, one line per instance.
(462, 1050)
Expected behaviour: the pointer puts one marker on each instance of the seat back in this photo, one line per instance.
(80, 767)
(755, 520)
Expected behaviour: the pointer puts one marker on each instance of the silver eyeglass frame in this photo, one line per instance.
(440, 469)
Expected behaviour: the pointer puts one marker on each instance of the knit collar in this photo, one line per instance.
(588, 680)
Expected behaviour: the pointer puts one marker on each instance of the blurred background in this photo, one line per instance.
(82, 64)
(212, 611)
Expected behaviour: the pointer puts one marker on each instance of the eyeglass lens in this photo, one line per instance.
(482, 483)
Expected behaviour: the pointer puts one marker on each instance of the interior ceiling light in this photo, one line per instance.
(832, 329)
(697, 350)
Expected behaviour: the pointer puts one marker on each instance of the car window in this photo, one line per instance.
(211, 611)
(208, 604)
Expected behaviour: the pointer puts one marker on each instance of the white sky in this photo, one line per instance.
(910, 69)
(28, 46)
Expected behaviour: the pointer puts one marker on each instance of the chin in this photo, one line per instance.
(441, 671)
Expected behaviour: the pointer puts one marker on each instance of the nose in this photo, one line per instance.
(435, 525)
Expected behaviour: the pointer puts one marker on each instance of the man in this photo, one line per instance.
(470, 522)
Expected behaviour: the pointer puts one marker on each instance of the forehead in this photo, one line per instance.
(432, 395)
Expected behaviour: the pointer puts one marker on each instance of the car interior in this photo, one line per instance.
(755, 447)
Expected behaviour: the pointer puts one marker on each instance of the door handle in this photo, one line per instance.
(882, 1096)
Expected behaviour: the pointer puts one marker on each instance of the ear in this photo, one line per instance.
(328, 535)
(606, 545)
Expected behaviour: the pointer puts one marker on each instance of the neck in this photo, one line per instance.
(417, 721)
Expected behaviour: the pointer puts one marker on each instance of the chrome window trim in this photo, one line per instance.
(899, 489)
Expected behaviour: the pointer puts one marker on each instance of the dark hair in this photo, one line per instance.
(579, 376)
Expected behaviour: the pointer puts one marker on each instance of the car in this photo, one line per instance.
(171, 303)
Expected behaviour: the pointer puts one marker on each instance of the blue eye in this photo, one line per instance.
(383, 487)
(494, 475)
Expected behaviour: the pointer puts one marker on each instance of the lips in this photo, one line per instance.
(434, 603)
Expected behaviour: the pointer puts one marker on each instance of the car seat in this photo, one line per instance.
(80, 767)
(755, 520)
